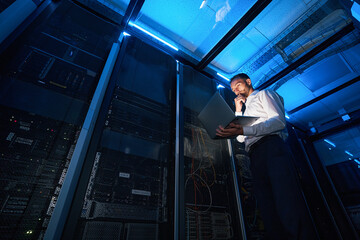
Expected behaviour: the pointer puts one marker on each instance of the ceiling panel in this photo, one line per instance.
(284, 13)
(230, 59)
(244, 47)
(317, 113)
(294, 94)
(341, 99)
(352, 56)
(324, 73)
(195, 29)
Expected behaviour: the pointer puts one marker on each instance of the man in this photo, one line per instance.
(276, 188)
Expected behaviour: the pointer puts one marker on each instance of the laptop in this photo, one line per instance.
(218, 112)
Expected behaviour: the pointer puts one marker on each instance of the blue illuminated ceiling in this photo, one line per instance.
(193, 26)
(316, 92)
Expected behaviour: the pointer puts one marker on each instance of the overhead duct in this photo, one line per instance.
(324, 17)
(347, 42)
(314, 36)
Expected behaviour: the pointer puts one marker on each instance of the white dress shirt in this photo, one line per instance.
(269, 107)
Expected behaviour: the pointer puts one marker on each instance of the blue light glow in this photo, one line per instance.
(220, 86)
(345, 117)
(313, 130)
(152, 35)
(223, 77)
(126, 34)
(287, 116)
(357, 161)
(202, 4)
(355, 11)
(348, 153)
(329, 142)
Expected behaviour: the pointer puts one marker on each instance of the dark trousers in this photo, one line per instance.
(277, 191)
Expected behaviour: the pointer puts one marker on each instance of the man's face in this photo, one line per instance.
(241, 87)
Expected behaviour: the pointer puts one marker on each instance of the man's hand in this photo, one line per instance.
(232, 130)
(239, 101)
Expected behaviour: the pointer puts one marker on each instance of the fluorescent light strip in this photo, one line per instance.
(357, 161)
(126, 34)
(348, 153)
(287, 116)
(202, 4)
(152, 35)
(220, 86)
(223, 77)
(329, 142)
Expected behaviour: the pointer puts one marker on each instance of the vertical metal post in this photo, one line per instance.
(179, 217)
(335, 226)
(61, 211)
(237, 191)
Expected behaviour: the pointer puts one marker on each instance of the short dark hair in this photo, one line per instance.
(240, 75)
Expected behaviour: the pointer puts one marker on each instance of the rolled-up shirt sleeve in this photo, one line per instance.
(274, 107)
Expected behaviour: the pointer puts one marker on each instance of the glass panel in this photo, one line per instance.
(340, 153)
(127, 187)
(48, 76)
(116, 5)
(194, 26)
(210, 201)
(270, 42)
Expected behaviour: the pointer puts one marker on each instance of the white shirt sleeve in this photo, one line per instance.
(273, 105)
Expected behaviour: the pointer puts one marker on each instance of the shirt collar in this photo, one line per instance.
(253, 93)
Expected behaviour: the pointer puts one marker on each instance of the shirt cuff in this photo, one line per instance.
(238, 113)
(248, 131)
(240, 138)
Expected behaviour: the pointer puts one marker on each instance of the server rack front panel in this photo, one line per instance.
(127, 182)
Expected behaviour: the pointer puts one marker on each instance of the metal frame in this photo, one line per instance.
(62, 208)
(322, 96)
(342, 125)
(316, 50)
(132, 11)
(98, 14)
(318, 187)
(237, 191)
(179, 204)
(249, 16)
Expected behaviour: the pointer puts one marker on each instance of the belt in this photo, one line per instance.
(260, 141)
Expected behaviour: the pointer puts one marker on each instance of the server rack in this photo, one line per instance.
(126, 188)
(48, 76)
(210, 203)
